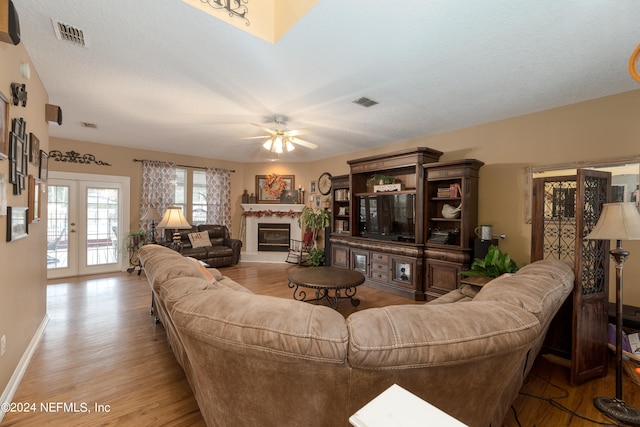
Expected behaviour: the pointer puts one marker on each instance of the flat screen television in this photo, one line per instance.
(387, 217)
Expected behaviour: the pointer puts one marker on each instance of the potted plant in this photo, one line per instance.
(314, 220)
(380, 179)
(494, 264)
(137, 238)
(315, 257)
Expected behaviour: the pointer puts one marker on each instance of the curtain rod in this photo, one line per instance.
(183, 166)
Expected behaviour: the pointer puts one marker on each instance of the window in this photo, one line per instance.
(181, 190)
(199, 198)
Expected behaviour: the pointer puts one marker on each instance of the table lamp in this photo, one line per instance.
(618, 221)
(173, 218)
(151, 215)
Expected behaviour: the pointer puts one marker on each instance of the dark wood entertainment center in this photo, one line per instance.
(405, 240)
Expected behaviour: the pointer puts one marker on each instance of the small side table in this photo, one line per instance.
(134, 259)
(479, 281)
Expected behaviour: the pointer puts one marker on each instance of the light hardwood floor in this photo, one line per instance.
(101, 349)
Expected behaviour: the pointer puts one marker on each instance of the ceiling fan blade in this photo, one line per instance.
(269, 131)
(296, 132)
(256, 137)
(304, 143)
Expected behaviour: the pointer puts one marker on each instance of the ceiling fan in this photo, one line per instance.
(281, 138)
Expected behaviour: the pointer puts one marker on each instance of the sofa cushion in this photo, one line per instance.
(219, 251)
(173, 290)
(208, 275)
(264, 326)
(540, 293)
(412, 336)
(162, 264)
(455, 295)
(199, 239)
(554, 268)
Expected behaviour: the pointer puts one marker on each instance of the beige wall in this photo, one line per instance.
(22, 262)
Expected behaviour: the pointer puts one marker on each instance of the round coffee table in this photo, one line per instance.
(324, 279)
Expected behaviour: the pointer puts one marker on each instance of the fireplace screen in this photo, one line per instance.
(273, 237)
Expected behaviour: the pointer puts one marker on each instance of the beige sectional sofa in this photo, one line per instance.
(256, 360)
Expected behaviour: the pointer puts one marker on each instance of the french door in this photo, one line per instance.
(86, 216)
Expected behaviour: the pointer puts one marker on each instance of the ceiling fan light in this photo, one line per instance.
(278, 144)
(267, 144)
(290, 146)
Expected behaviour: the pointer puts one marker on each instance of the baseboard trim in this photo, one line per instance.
(18, 373)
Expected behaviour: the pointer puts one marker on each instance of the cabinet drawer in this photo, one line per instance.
(379, 275)
(378, 257)
(377, 267)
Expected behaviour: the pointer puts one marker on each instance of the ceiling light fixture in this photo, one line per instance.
(278, 143)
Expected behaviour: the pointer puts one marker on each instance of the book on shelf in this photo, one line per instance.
(444, 192)
(341, 194)
(342, 225)
(454, 190)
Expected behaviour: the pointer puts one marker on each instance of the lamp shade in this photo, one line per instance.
(618, 221)
(173, 218)
(151, 215)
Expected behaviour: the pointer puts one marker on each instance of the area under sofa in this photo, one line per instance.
(259, 360)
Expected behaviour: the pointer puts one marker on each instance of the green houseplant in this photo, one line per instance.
(315, 257)
(494, 264)
(136, 238)
(380, 179)
(314, 220)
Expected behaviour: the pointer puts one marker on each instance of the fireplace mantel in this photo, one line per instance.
(279, 216)
(275, 207)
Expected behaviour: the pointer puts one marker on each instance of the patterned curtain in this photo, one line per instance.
(158, 187)
(219, 197)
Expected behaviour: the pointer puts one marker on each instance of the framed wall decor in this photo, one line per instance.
(44, 166)
(18, 155)
(3, 194)
(4, 127)
(312, 187)
(34, 200)
(34, 150)
(17, 224)
(269, 187)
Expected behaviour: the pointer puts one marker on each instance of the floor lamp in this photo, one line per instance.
(151, 215)
(618, 221)
(173, 218)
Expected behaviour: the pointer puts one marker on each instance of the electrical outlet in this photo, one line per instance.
(3, 345)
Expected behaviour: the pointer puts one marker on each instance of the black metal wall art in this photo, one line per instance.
(75, 157)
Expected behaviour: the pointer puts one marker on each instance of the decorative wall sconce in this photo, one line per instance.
(53, 113)
(19, 94)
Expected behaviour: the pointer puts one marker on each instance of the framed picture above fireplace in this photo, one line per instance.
(270, 187)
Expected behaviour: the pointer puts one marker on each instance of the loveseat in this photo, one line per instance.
(217, 249)
(256, 360)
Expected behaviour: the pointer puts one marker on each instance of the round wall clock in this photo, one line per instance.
(324, 183)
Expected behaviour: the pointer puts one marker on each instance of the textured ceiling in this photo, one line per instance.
(165, 76)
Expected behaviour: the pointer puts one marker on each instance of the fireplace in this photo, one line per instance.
(273, 237)
(268, 214)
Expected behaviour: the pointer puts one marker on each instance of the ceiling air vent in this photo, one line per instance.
(365, 102)
(89, 125)
(69, 33)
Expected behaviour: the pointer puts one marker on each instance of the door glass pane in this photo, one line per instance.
(199, 198)
(58, 227)
(102, 226)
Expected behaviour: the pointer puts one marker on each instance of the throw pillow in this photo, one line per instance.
(200, 240)
(208, 275)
